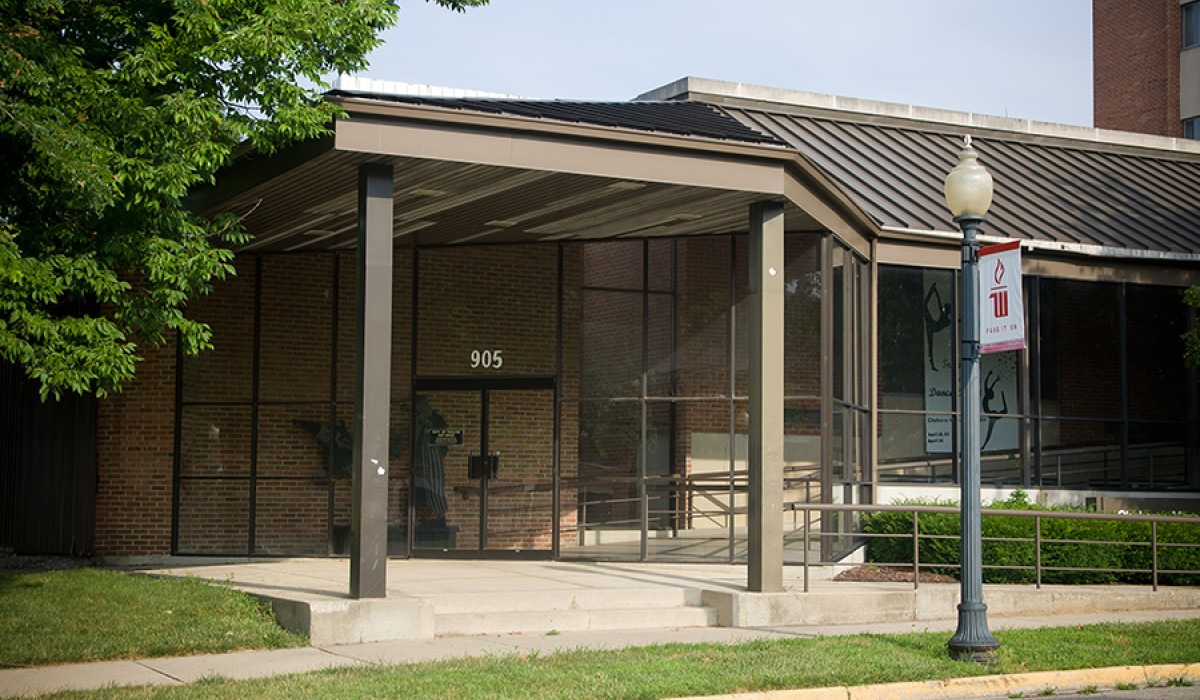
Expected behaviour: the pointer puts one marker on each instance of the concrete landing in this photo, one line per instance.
(439, 598)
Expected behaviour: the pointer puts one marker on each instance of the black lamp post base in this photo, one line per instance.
(972, 641)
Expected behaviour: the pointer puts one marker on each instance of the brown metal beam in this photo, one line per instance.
(765, 572)
(372, 383)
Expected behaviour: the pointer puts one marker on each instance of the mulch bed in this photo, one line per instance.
(11, 562)
(890, 574)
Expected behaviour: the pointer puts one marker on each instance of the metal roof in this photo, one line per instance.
(1059, 191)
(1062, 191)
(669, 117)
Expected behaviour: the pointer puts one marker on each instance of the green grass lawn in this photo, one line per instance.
(93, 614)
(672, 670)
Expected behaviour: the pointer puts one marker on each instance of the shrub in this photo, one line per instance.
(1081, 545)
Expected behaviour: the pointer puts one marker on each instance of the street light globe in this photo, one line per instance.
(968, 185)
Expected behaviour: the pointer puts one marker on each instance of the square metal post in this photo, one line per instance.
(372, 383)
(765, 558)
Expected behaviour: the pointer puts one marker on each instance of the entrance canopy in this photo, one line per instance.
(400, 174)
(530, 171)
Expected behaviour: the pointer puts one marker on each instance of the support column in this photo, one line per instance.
(765, 572)
(372, 383)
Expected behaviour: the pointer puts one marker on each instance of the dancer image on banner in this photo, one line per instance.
(989, 395)
(429, 472)
(934, 325)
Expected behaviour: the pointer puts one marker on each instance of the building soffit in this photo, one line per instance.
(464, 177)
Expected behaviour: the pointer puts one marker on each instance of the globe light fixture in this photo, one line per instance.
(968, 191)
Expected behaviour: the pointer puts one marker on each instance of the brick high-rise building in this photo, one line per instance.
(1146, 66)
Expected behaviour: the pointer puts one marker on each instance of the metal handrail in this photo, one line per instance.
(1037, 540)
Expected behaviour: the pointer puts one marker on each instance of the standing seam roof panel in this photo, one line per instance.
(1045, 191)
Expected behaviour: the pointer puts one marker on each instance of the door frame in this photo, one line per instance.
(484, 385)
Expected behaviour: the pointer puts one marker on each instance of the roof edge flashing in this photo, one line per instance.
(1079, 249)
(697, 88)
(382, 107)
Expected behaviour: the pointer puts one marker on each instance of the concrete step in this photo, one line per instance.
(533, 622)
(513, 612)
(559, 600)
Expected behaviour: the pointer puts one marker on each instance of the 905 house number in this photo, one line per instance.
(487, 359)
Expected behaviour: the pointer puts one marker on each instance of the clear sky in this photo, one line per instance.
(1020, 58)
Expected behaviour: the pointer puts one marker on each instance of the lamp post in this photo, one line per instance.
(968, 195)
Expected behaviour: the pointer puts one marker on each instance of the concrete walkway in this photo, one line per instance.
(260, 664)
(547, 597)
(433, 598)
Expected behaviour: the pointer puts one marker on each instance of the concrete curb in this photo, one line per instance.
(1027, 684)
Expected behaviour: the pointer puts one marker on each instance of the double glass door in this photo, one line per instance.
(483, 468)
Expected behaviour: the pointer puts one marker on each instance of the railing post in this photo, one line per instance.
(1037, 541)
(1154, 554)
(807, 520)
(916, 550)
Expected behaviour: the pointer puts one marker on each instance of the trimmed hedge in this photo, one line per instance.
(1088, 547)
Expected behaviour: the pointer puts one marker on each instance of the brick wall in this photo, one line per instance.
(494, 298)
(1136, 47)
(134, 442)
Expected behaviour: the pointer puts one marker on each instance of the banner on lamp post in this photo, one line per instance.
(1001, 303)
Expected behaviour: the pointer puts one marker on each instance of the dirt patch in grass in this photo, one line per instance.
(899, 574)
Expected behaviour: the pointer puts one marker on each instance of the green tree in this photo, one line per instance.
(1191, 338)
(110, 112)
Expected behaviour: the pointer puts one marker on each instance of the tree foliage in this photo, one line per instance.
(1191, 338)
(110, 112)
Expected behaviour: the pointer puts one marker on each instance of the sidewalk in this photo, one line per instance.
(258, 664)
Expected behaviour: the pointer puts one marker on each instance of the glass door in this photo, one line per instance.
(483, 470)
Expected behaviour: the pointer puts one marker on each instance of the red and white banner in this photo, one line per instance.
(1001, 304)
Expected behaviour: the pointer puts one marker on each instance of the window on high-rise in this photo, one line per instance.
(1191, 24)
(1191, 128)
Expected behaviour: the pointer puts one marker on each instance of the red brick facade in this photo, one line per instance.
(135, 445)
(1135, 68)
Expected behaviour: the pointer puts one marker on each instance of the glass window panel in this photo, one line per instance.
(609, 450)
(613, 265)
(611, 352)
(741, 346)
(862, 444)
(801, 451)
(1000, 464)
(488, 310)
(905, 442)
(224, 373)
(702, 325)
(294, 441)
(572, 320)
(839, 323)
(916, 338)
(864, 395)
(802, 315)
(707, 505)
(1158, 455)
(291, 517)
(348, 318)
(1080, 349)
(660, 345)
(663, 488)
(295, 348)
(1156, 319)
(520, 513)
(214, 441)
(1081, 453)
(1191, 24)
(661, 265)
(838, 435)
(214, 516)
